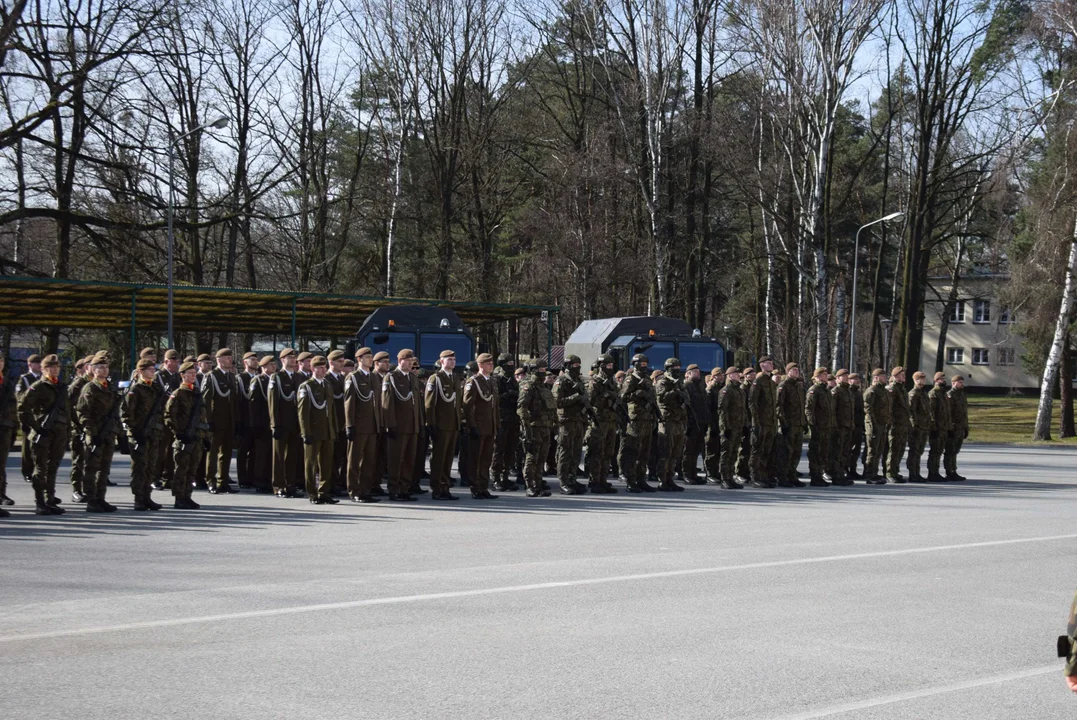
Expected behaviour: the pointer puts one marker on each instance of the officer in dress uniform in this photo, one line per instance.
(335, 378)
(318, 428)
(284, 426)
(362, 410)
(443, 403)
(244, 457)
(220, 395)
(28, 378)
(402, 413)
(261, 457)
(481, 407)
(168, 379)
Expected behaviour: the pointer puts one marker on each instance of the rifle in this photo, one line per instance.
(109, 426)
(140, 435)
(50, 418)
(193, 422)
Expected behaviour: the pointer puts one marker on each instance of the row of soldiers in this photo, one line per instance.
(327, 426)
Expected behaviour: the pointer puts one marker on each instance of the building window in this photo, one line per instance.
(1006, 316)
(981, 311)
(980, 356)
(1007, 356)
(955, 356)
(957, 312)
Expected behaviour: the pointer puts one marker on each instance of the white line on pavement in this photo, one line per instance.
(926, 692)
(453, 594)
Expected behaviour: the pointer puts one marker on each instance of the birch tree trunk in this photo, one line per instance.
(1054, 358)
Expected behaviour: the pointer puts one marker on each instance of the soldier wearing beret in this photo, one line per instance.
(220, 395)
(381, 371)
(44, 409)
(959, 426)
(318, 428)
(260, 463)
(205, 367)
(732, 412)
(941, 426)
(744, 454)
(921, 423)
(444, 412)
(168, 380)
(762, 401)
(857, 440)
(899, 424)
(819, 413)
(845, 402)
(83, 375)
(142, 412)
(712, 458)
(695, 441)
(335, 378)
(98, 409)
(244, 460)
(304, 371)
(481, 409)
(876, 425)
(284, 426)
(402, 413)
(28, 378)
(362, 410)
(185, 416)
(790, 410)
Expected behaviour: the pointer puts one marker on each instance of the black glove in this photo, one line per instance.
(966, 435)
(25, 429)
(241, 429)
(786, 430)
(139, 438)
(473, 432)
(432, 432)
(390, 433)
(350, 434)
(206, 444)
(278, 434)
(307, 441)
(185, 439)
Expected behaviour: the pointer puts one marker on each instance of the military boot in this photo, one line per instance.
(732, 484)
(818, 481)
(41, 507)
(670, 486)
(934, 477)
(917, 478)
(954, 477)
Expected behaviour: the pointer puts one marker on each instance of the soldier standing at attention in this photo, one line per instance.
(712, 459)
(168, 379)
(732, 409)
(362, 411)
(318, 428)
(402, 415)
(959, 426)
(244, 458)
(845, 401)
(637, 394)
(790, 409)
(381, 371)
(142, 411)
(44, 409)
(261, 465)
(98, 411)
(899, 424)
(673, 405)
(205, 367)
(876, 424)
(606, 402)
(507, 442)
(819, 412)
(696, 439)
(940, 432)
(857, 441)
(443, 403)
(573, 412)
(220, 395)
(537, 410)
(304, 371)
(185, 416)
(761, 400)
(83, 375)
(284, 426)
(481, 408)
(335, 378)
(921, 421)
(28, 378)
(743, 467)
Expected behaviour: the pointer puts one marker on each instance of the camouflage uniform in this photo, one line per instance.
(744, 454)
(899, 428)
(922, 422)
(573, 409)
(537, 410)
(959, 430)
(732, 413)
(819, 411)
(791, 423)
(761, 400)
(507, 443)
(876, 423)
(713, 448)
(673, 402)
(637, 393)
(844, 420)
(698, 406)
(190, 430)
(940, 432)
(856, 443)
(602, 435)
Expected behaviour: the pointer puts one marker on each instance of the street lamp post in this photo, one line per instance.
(856, 267)
(217, 124)
(886, 322)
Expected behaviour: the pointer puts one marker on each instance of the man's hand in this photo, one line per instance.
(1071, 683)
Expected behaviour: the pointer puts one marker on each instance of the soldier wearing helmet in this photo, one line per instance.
(602, 435)
(637, 393)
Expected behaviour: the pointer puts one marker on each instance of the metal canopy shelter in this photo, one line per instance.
(48, 302)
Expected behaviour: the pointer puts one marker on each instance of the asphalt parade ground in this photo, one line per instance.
(869, 602)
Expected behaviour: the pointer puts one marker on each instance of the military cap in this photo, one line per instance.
(693, 366)
(319, 361)
(203, 357)
(732, 369)
(447, 353)
(919, 375)
(224, 352)
(100, 358)
(716, 371)
(841, 373)
(819, 371)
(144, 363)
(305, 356)
(790, 366)
(348, 363)
(47, 361)
(362, 352)
(146, 352)
(955, 378)
(189, 358)
(172, 354)
(504, 358)
(335, 355)
(80, 363)
(484, 358)
(405, 353)
(940, 375)
(34, 359)
(748, 369)
(266, 360)
(765, 358)
(572, 359)
(286, 352)
(185, 367)
(878, 371)
(854, 376)
(897, 371)
(249, 354)
(382, 355)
